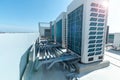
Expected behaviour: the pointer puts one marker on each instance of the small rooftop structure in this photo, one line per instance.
(44, 30)
(114, 40)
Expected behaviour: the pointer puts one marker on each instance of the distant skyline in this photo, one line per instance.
(24, 15)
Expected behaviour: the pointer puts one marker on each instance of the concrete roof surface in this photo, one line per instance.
(109, 73)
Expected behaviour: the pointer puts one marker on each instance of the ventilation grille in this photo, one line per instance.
(96, 29)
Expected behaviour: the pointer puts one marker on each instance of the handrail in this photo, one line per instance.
(27, 52)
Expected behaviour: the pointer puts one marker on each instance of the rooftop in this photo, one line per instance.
(58, 73)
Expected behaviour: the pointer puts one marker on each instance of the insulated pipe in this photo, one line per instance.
(40, 56)
(57, 52)
(52, 53)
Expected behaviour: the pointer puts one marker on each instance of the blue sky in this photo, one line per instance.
(24, 15)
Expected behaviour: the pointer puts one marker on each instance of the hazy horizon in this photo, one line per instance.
(24, 15)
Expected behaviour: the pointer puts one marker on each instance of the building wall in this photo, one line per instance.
(93, 28)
